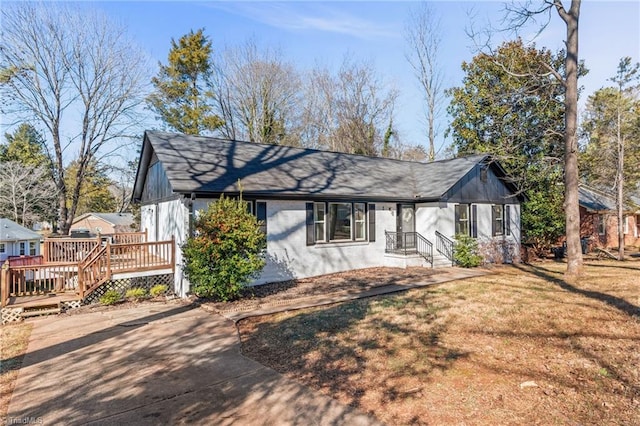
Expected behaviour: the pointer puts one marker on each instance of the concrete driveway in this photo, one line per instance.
(158, 364)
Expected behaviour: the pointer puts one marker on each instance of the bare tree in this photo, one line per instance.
(26, 193)
(79, 77)
(422, 33)
(258, 95)
(349, 111)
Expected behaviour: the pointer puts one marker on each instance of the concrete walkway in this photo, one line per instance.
(172, 364)
(158, 364)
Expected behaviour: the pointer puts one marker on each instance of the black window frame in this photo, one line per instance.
(367, 222)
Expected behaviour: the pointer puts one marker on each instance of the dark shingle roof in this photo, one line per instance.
(116, 219)
(595, 200)
(11, 231)
(196, 164)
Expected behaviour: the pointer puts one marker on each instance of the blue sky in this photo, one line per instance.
(323, 32)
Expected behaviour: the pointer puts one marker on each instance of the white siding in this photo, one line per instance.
(164, 220)
(288, 255)
(12, 248)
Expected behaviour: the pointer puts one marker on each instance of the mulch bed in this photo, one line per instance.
(361, 279)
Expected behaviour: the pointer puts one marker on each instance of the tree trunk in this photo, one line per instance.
(572, 211)
(620, 195)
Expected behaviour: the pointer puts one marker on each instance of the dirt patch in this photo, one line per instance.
(517, 347)
(13, 345)
(357, 280)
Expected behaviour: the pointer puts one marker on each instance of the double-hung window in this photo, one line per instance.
(23, 248)
(497, 217)
(3, 248)
(340, 221)
(32, 248)
(601, 224)
(319, 222)
(462, 219)
(360, 221)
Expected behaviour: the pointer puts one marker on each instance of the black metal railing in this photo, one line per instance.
(409, 243)
(445, 247)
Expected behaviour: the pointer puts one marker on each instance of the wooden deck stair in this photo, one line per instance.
(38, 288)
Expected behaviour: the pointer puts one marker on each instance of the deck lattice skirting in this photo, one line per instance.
(121, 285)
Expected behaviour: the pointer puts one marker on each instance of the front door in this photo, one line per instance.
(406, 226)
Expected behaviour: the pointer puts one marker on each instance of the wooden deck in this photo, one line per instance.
(42, 300)
(60, 279)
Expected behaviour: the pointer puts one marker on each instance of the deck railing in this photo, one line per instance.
(32, 280)
(97, 266)
(68, 250)
(129, 237)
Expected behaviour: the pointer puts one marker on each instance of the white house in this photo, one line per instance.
(16, 240)
(327, 212)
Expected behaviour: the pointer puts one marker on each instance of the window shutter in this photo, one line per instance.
(493, 221)
(261, 214)
(474, 221)
(456, 209)
(372, 222)
(310, 236)
(507, 220)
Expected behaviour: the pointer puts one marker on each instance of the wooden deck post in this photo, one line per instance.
(45, 254)
(146, 235)
(4, 283)
(173, 254)
(108, 253)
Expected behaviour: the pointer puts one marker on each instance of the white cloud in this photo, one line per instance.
(308, 17)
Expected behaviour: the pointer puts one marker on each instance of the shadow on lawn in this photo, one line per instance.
(323, 348)
(614, 301)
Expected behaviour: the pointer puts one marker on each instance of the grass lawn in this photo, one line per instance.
(520, 346)
(14, 339)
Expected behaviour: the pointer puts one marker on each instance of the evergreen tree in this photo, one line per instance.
(510, 105)
(182, 98)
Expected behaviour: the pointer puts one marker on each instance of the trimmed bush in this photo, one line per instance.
(466, 253)
(110, 297)
(226, 251)
(158, 290)
(135, 294)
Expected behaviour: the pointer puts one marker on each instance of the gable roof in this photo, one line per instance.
(206, 165)
(115, 219)
(11, 231)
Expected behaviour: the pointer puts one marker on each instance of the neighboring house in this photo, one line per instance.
(599, 219)
(103, 223)
(325, 212)
(16, 240)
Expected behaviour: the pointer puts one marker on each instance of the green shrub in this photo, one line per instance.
(110, 297)
(158, 290)
(466, 252)
(135, 294)
(226, 251)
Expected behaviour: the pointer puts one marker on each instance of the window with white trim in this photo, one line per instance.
(462, 219)
(360, 221)
(497, 216)
(32, 248)
(3, 248)
(626, 225)
(23, 248)
(319, 222)
(601, 224)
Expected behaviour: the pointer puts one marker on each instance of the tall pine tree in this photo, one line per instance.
(182, 98)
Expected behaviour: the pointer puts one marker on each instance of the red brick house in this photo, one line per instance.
(599, 220)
